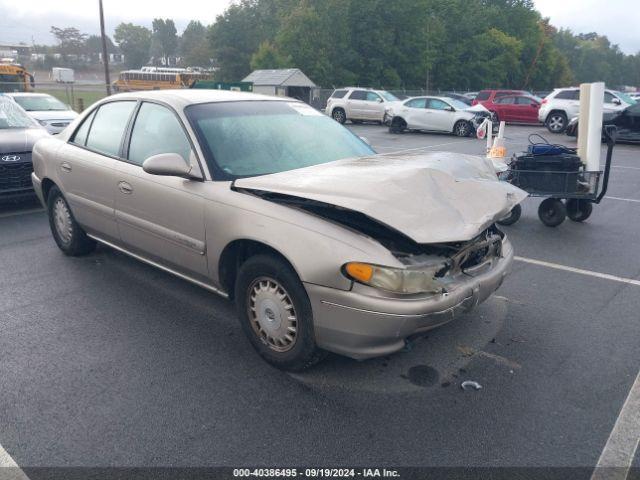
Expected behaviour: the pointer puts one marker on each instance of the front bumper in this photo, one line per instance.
(363, 324)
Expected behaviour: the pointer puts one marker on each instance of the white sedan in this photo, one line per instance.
(47, 110)
(434, 114)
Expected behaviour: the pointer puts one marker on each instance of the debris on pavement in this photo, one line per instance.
(467, 384)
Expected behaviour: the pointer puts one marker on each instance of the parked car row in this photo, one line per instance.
(451, 112)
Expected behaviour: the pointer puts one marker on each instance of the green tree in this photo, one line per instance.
(194, 46)
(134, 42)
(164, 40)
(268, 57)
(70, 40)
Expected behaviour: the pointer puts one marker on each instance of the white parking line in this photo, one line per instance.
(617, 456)
(20, 212)
(623, 199)
(9, 469)
(590, 273)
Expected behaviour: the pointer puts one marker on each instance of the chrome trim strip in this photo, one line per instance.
(161, 267)
(401, 315)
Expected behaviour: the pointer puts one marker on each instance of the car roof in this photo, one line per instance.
(27, 94)
(182, 97)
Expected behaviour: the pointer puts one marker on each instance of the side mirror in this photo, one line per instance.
(450, 109)
(167, 164)
(379, 100)
(616, 101)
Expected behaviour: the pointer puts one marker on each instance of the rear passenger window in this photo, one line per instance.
(157, 130)
(373, 97)
(568, 95)
(417, 103)
(358, 95)
(108, 127)
(80, 137)
(339, 94)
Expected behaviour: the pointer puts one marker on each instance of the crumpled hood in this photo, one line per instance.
(431, 198)
(18, 140)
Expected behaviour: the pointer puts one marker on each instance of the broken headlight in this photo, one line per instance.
(399, 280)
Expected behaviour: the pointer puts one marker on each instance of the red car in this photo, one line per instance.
(512, 106)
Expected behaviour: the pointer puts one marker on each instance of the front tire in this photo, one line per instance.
(69, 236)
(398, 125)
(275, 313)
(339, 115)
(552, 212)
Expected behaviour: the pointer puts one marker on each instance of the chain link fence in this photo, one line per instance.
(81, 95)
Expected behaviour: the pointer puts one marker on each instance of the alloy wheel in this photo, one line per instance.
(62, 220)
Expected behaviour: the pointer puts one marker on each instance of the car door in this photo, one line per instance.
(160, 217)
(373, 106)
(628, 124)
(440, 116)
(506, 108)
(355, 104)
(414, 113)
(87, 164)
(527, 109)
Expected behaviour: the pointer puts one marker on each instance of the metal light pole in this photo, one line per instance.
(105, 55)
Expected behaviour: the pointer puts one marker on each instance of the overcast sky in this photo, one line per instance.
(618, 19)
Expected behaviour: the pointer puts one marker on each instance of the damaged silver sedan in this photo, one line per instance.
(322, 244)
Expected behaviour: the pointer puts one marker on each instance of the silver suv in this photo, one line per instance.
(359, 104)
(322, 244)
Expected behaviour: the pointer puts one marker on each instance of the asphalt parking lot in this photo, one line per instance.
(105, 361)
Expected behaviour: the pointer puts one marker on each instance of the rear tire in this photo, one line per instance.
(556, 122)
(552, 212)
(398, 125)
(579, 210)
(69, 236)
(275, 313)
(339, 115)
(513, 217)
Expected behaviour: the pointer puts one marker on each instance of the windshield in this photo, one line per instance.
(245, 139)
(457, 104)
(389, 97)
(40, 104)
(12, 116)
(626, 98)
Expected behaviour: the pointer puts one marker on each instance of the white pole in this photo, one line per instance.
(594, 134)
(489, 127)
(583, 118)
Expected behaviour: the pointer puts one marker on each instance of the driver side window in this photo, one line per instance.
(157, 130)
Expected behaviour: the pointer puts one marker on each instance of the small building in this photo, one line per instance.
(286, 82)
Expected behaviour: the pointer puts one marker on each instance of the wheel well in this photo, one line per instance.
(398, 120)
(46, 188)
(557, 111)
(238, 252)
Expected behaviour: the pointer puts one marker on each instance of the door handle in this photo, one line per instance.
(65, 166)
(125, 188)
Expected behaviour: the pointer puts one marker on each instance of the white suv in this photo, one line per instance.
(563, 104)
(359, 104)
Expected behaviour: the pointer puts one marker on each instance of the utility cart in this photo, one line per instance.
(557, 174)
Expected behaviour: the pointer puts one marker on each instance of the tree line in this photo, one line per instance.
(429, 44)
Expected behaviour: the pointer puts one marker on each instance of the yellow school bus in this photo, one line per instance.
(14, 78)
(157, 78)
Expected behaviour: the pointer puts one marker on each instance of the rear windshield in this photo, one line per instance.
(339, 94)
(246, 139)
(483, 95)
